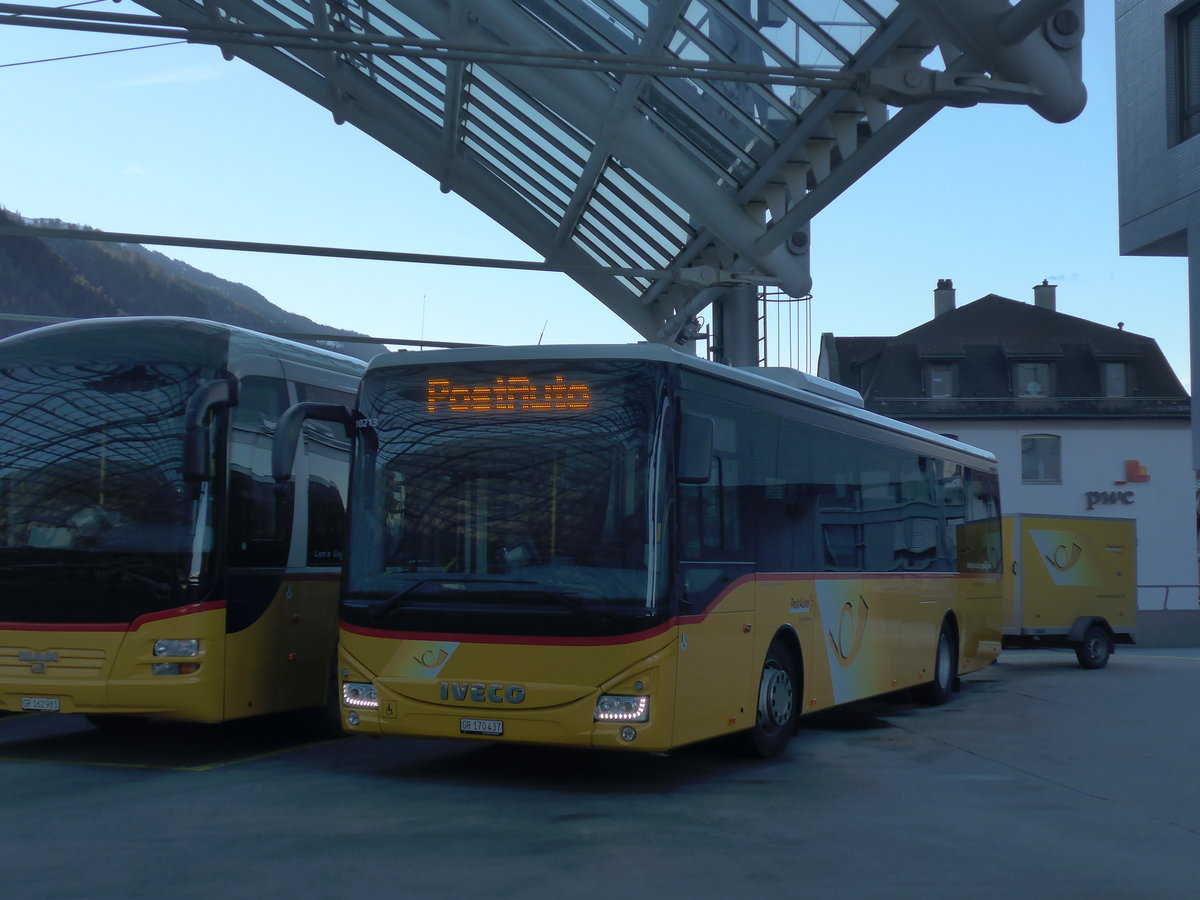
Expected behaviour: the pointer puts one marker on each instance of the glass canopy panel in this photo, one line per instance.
(593, 129)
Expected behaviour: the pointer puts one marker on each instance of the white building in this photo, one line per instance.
(1085, 420)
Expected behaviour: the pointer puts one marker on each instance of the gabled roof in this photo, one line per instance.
(983, 340)
(1022, 329)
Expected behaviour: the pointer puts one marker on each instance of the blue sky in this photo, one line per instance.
(175, 140)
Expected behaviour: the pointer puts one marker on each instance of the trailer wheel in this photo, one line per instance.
(775, 712)
(1095, 648)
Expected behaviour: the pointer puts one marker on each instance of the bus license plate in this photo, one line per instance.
(49, 704)
(481, 726)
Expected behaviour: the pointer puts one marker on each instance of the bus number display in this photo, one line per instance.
(513, 393)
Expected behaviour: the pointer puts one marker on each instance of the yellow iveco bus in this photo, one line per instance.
(148, 566)
(629, 547)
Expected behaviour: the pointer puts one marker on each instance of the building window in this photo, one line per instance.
(1041, 459)
(1187, 61)
(941, 380)
(1115, 380)
(1032, 379)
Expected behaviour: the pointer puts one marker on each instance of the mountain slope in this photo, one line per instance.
(84, 279)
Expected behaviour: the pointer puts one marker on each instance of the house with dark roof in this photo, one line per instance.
(1085, 419)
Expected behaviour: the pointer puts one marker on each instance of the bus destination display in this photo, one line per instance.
(513, 393)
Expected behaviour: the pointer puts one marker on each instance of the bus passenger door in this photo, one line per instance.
(714, 694)
(309, 623)
(259, 525)
(717, 674)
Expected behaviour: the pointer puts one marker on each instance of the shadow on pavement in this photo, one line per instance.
(43, 737)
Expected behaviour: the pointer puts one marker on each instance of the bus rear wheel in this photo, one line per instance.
(777, 703)
(945, 669)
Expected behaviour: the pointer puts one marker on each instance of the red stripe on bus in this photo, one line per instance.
(523, 639)
(693, 619)
(114, 626)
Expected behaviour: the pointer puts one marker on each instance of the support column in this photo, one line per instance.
(735, 326)
(1193, 245)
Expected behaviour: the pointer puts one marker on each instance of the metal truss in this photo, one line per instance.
(666, 154)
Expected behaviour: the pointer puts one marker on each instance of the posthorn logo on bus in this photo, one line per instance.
(463, 691)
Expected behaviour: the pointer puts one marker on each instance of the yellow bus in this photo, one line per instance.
(149, 568)
(630, 547)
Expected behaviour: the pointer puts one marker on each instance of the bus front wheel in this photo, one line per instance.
(778, 696)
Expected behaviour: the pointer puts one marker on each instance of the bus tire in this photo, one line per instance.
(776, 704)
(1095, 648)
(945, 668)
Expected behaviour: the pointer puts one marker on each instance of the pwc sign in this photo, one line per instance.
(1135, 473)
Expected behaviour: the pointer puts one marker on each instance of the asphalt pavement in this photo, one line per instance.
(1037, 779)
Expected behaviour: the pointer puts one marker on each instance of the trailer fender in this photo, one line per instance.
(1081, 626)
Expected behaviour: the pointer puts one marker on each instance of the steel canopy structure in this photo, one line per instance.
(668, 154)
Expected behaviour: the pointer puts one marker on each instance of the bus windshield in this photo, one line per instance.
(92, 492)
(511, 498)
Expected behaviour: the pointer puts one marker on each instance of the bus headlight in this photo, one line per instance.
(177, 647)
(359, 695)
(622, 708)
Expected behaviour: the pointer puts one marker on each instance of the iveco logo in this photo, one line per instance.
(35, 656)
(482, 693)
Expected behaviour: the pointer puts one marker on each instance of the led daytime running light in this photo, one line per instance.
(359, 695)
(614, 708)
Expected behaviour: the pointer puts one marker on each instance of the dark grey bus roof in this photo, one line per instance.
(241, 341)
(808, 389)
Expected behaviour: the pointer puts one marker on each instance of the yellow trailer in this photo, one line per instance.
(1071, 581)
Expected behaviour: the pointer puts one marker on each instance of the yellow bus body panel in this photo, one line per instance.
(281, 662)
(857, 636)
(97, 672)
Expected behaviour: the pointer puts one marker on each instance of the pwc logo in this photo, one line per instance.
(1135, 473)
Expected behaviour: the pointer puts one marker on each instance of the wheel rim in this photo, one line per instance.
(775, 697)
(943, 660)
(1097, 646)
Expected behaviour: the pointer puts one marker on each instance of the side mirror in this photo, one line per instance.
(197, 445)
(695, 449)
(287, 432)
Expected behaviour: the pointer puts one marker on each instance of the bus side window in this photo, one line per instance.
(315, 393)
(327, 450)
(709, 510)
(259, 519)
(326, 523)
(261, 400)
(838, 487)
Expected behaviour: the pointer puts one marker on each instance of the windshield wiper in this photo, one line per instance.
(381, 611)
(161, 589)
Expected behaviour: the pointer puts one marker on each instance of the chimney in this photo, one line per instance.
(1043, 295)
(943, 297)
